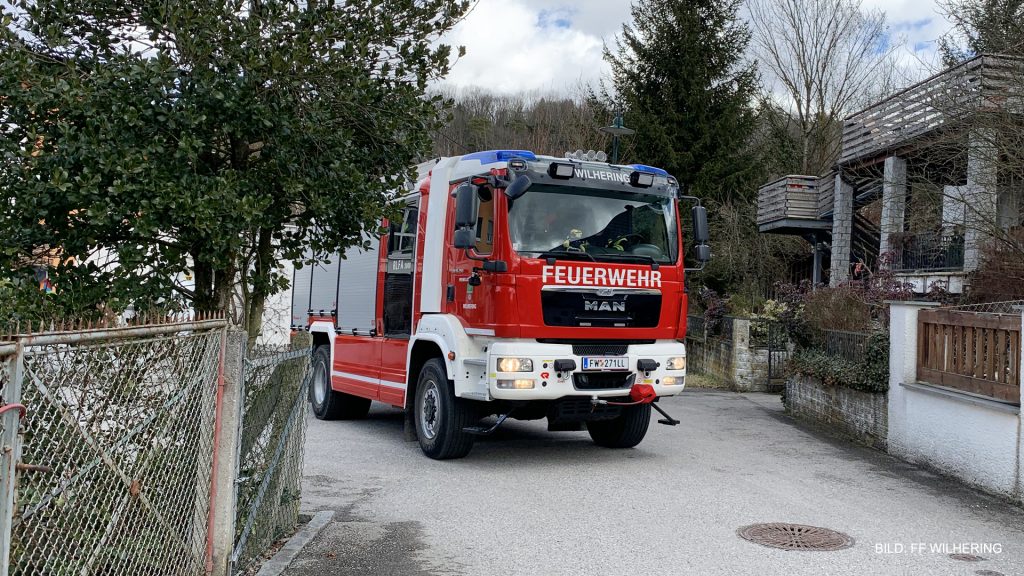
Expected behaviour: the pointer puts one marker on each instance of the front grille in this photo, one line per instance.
(602, 380)
(585, 308)
(599, 349)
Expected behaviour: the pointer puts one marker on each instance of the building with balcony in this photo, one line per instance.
(923, 180)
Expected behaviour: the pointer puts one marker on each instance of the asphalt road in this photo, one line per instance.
(530, 502)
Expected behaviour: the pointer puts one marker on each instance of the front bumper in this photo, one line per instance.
(551, 385)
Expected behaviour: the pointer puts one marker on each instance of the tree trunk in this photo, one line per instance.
(260, 285)
(204, 300)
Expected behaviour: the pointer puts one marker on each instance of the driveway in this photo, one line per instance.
(532, 502)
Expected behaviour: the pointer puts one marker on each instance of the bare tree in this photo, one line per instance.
(546, 124)
(828, 57)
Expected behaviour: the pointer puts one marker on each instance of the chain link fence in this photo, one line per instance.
(273, 435)
(1009, 307)
(132, 441)
(113, 475)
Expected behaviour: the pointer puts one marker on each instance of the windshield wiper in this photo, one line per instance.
(642, 257)
(566, 255)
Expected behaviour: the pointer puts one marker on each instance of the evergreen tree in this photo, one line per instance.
(679, 72)
(982, 27)
(177, 151)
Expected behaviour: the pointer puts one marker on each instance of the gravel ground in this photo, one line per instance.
(532, 502)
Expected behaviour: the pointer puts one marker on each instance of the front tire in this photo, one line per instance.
(440, 416)
(327, 403)
(626, 431)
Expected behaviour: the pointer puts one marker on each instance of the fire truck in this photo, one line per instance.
(513, 285)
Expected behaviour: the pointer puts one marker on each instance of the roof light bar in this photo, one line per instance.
(650, 169)
(492, 156)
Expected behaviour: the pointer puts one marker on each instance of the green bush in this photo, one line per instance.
(871, 375)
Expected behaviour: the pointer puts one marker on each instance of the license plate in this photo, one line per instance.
(605, 363)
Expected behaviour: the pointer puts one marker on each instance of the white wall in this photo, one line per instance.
(277, 314)
(978, 441)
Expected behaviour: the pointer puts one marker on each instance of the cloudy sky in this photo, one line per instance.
(553, 45)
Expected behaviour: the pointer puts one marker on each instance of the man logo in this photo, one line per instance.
(604, 306)
(605, 292)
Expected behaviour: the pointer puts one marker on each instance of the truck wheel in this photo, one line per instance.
(328, 404)
(625, 431)
(440, 416)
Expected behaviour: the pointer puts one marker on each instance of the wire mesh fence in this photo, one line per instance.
(1013, 307)
(272, 440)
(115, 449)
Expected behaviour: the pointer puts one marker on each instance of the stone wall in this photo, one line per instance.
(730, 358)
(861, 415)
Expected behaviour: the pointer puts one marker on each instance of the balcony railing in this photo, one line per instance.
(926, 252)
(983, 82)
(826, 193)
(787, 202)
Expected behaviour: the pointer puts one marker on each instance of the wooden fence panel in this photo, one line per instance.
(970, 351)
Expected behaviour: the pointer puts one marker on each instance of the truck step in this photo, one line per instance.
(475, 361)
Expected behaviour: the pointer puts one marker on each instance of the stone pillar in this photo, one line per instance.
(842, 230)
(742, 356)
(894, 202)
(953, 209)
(981, 196)
(902, 366)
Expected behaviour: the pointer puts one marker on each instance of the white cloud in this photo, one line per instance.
(917, 24)
(533, 46)
(553, 45)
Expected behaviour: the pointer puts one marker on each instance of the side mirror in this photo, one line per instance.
(700, 225)
(466, 206)
(702, 252)
(465, 238)
(518, 186)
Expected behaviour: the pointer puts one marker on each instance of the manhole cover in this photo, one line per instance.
(966, 557)
(795, 536)
(988, 573)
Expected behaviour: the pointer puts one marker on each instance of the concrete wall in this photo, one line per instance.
(976, 440)
(862, 415)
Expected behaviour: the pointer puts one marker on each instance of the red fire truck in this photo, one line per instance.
(515, 285)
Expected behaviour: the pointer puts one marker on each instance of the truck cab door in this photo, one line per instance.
(475, 305)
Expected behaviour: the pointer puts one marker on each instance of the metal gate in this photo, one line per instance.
(771, 337)
(107, 469)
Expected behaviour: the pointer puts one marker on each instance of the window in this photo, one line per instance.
(485, 241)
(398, 277)
(402, 235)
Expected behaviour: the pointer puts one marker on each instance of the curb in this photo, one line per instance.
(280, 562)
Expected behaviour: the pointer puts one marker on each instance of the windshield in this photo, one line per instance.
(597, 225)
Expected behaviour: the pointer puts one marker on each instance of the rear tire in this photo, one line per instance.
(625, 431)
(440, 417)
(327, 403)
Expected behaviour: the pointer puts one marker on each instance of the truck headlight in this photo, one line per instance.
(515, 365)
(676, 363)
